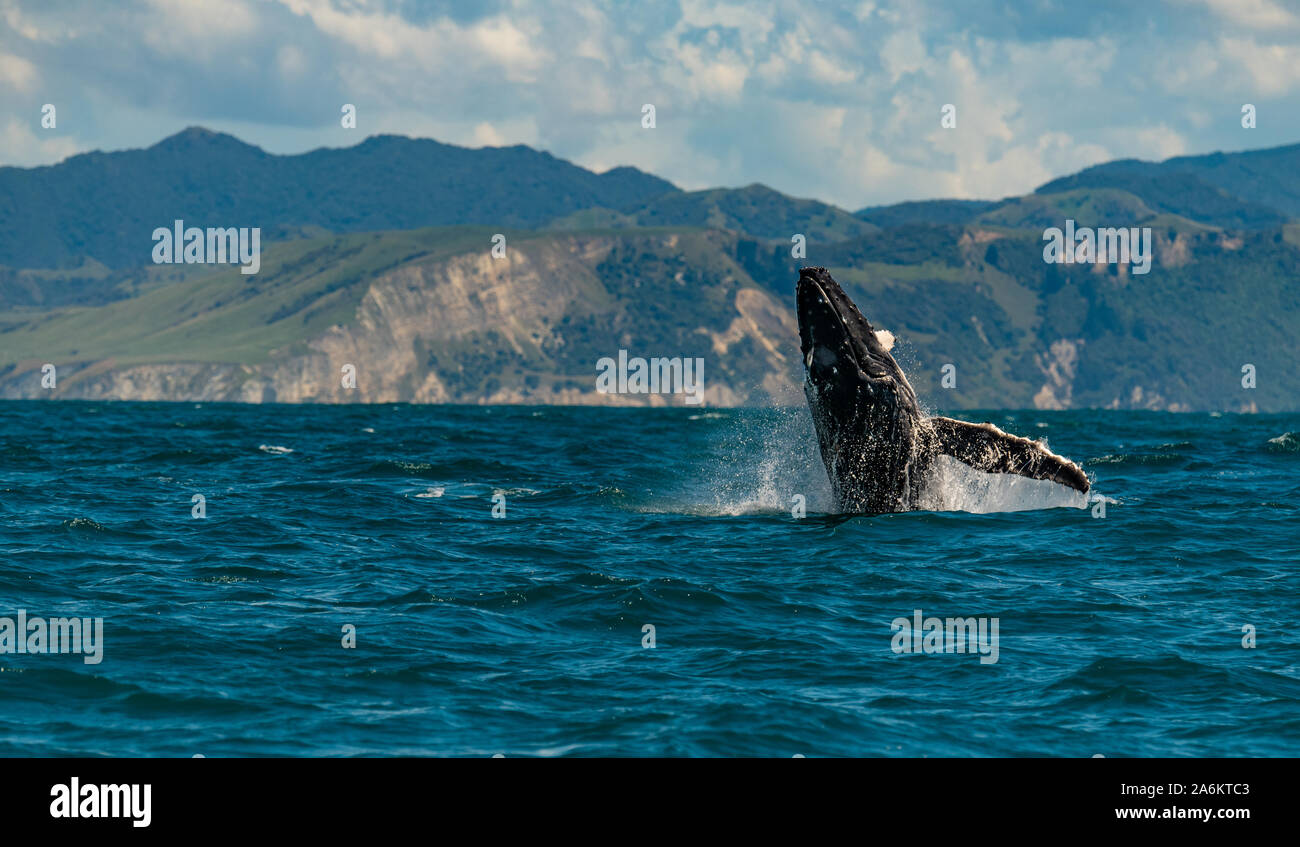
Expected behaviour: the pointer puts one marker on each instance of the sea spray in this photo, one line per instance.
(955, 487)
(764, 459)
(772, 457)
(752, 461)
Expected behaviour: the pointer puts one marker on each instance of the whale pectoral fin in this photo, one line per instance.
(987, 448)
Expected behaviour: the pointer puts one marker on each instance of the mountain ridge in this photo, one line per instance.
(103, 206)
(436, 314)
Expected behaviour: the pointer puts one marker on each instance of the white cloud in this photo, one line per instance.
(16, 73)
(1183, 72)
(903, 53)
(1254, 14)
(196, 29)
(1272, 69)
(25, 145)
(824, 70)
(753, 20)
(290, 61)
(504, 42)
(1159, 142)
(26, 28)
(1076, 64)
(836, 101)
(486, 135)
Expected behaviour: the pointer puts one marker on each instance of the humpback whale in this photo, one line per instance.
(879, 448)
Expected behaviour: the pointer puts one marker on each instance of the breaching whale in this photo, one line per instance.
(879, 448)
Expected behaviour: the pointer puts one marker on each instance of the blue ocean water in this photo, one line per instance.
(1119, 635)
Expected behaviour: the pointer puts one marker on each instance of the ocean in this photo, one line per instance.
(401, 580)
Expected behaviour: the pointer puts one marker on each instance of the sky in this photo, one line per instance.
(837, 101)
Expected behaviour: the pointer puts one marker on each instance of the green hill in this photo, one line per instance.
(426, 315)
(104, 206)
(753, 210)
(924, 212)
(595, 264)
(1252, 189)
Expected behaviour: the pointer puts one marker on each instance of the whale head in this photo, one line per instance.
(845, 363)
(870, 428)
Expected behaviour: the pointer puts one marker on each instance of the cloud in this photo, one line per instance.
(1253, 14)
(486, 135)
(16, 73)
(836, 101)
(903, 53)
(197, 29)
(290, 61)
(24, 145)
(26, 28)
(1271, 69)
(1160, 142)
(501, 41)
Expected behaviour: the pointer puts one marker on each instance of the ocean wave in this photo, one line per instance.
(463, 469)
(626, 519)
(1287, 442)
(85, 525)
(1137, 459)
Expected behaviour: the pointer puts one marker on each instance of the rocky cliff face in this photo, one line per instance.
(432, 316)
(525, 328)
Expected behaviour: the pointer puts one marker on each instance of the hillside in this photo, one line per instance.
(1253, 189)
(104, 206)
(428, 314)
(425, 316)
(753, 210)
(1024, 333)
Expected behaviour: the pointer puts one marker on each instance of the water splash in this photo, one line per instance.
(768, 459)
(785, 464)
(956, 487)
(755, 464)
(1287, 442)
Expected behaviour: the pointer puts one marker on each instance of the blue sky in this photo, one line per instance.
(839, 101)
